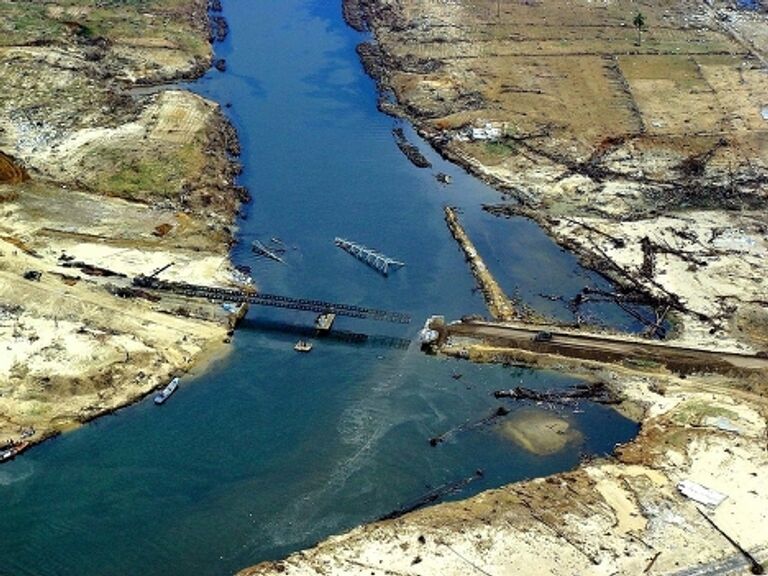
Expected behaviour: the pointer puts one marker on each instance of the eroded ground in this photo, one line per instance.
(648, 159)
(98, 183)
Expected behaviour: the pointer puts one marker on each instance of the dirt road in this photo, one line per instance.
(611, 348)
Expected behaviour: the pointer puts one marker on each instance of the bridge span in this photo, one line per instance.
(253, 296)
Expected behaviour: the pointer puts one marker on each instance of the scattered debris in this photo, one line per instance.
(593, 391)
(33, 275)
(162, 229)
(700, 494)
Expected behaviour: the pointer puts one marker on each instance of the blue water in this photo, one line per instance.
(270, 450)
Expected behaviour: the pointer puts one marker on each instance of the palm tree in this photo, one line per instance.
(639, 23)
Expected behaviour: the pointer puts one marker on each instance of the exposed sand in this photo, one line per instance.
(94, 179)
(539, 431)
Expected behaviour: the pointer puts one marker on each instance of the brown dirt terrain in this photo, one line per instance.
(100, 182)
(603, 140)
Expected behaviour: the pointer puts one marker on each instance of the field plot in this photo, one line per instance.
(578, 114)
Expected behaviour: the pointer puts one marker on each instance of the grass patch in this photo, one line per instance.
(695, 412)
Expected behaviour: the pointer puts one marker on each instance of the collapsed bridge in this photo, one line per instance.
(253, 296)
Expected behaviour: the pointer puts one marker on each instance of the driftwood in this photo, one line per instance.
(432, 496)
(754, 566)
(498, 413)
(593, 391)
(617, 242)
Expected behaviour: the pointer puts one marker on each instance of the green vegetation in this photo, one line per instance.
(148, 177)
(695, 412)
(639, 23)
(28, 21)
(500, 149)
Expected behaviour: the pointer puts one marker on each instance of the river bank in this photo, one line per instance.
(99, 184)
(632, 154)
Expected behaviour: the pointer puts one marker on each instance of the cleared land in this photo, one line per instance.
(99, 182)
(604, 140)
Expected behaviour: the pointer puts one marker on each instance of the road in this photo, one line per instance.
(610, 348)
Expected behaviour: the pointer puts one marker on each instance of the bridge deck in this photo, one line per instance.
(274, 300)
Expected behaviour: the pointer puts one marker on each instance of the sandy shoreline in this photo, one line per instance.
(103, 186)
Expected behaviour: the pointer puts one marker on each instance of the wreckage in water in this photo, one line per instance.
(260, 249)
(369, 256)
(166, 392)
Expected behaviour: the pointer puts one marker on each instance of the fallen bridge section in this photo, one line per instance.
(252, 296)
(606, 348)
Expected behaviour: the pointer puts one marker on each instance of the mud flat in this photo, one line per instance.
(648, 157)
(98, 185)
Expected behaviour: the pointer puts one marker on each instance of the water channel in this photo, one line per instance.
(270, 450)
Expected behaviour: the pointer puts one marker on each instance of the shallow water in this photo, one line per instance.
(271, 450)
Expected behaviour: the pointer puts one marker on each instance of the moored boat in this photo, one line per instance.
(166, 392)
(10, 452)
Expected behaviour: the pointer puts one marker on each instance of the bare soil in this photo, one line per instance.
(100, 182)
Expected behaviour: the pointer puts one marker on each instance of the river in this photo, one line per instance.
(270, 450)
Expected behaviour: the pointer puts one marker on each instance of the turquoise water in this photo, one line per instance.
(270, 450)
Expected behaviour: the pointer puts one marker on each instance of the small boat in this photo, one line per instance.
(166, 392)
(302, 346)
(10, 452)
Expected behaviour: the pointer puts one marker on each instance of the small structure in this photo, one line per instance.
(700, 494)
(369, 256)
(303, 346)
(324, 322)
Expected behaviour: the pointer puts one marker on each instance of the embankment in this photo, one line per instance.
(97, 184)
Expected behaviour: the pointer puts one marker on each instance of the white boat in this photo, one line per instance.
(303, 346)
(165, 393)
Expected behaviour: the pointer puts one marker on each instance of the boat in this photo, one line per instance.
(302, 346)
(10, 452)
(166, 392)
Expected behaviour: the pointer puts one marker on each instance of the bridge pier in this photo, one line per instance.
(324, 322)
